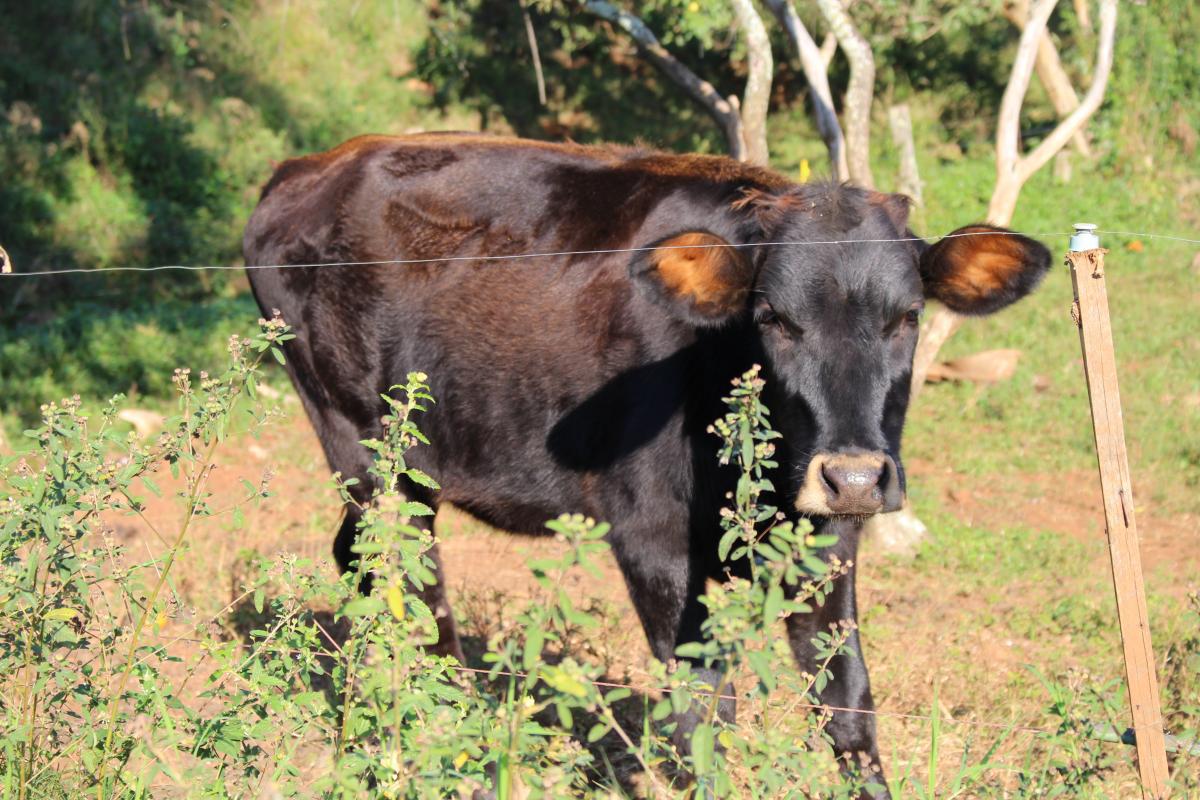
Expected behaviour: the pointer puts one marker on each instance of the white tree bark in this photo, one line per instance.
(1051, 73)
(859, 94)
(723, 110)
(828, 49)
(815, 68)
(1013, 169)
(1085, 16)
(900, 122)
(757, 97)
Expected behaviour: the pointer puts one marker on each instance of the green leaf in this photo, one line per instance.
(814, 565)
(421, 479)
(275, 351)
(362, 607)
(533, 649)
(773, 604)
(562, 681)
(62, 614)
(726, 542)
(412, 508)
(597, 732)
(617, 695)
(702, 748)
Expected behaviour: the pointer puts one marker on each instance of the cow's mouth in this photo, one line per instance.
(853, 485)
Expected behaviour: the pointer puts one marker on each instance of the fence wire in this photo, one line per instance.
(558, 254)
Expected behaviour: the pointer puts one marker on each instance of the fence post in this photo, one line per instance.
(1090, 312)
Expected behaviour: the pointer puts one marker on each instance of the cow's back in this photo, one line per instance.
(546, 369)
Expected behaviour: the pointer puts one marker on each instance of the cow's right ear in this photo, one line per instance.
(698, 276)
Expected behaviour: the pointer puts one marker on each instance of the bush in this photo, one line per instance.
(318, 690)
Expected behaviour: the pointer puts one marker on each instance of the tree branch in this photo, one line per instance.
(1008, 127)
(900, 121)
(1091, 101)
(828, 48)
(757, 97)
(719, 108)
(815, 68)
(533, 50)
(1051, 73)
(859, 94)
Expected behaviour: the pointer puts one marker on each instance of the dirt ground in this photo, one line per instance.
(921, 628)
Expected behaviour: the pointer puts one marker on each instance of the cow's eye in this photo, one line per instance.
(767, 319)
(909, 320)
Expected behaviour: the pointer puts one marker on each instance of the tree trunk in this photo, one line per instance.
(828, 49)
(757, 97)
(860, 92)
(1051, 73)
(724, 111)
(816, 73)
(896, 532)
(900, 122)
(1085, 17)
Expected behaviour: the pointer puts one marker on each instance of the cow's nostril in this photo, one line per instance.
(831, 479)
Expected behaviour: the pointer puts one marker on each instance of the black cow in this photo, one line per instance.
(585, 381)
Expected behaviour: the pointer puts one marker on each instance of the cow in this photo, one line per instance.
(581, 310)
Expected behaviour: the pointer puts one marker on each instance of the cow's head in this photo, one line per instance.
(837, 319)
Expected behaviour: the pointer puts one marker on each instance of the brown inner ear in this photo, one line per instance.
(704, 269)
(974, 267)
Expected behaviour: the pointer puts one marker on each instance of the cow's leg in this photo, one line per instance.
(665, 583)
(341, 441)
(433, 594)
(852, 730)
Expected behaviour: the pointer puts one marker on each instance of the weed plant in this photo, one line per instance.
(328, 692)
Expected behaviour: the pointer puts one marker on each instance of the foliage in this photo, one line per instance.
(100, 700)
(83, 669)
(94, 349)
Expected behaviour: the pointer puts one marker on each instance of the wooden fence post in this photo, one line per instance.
(1090, 312)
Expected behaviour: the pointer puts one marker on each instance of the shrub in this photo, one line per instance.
(329, 692)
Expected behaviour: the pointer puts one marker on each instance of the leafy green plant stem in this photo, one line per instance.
(194, 490)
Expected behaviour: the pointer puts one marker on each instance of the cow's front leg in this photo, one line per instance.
(848, 692)
(665, 582)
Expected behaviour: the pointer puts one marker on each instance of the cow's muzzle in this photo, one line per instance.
(850, 484)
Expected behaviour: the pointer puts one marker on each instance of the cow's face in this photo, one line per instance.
(838, 323)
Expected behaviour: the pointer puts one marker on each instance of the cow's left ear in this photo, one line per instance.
(980, 268)
(698, 276)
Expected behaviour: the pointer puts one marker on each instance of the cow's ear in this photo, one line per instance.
(698, 276)
(980, 268)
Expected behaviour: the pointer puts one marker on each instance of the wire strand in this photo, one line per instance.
(507, 257)
(1152, 236)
